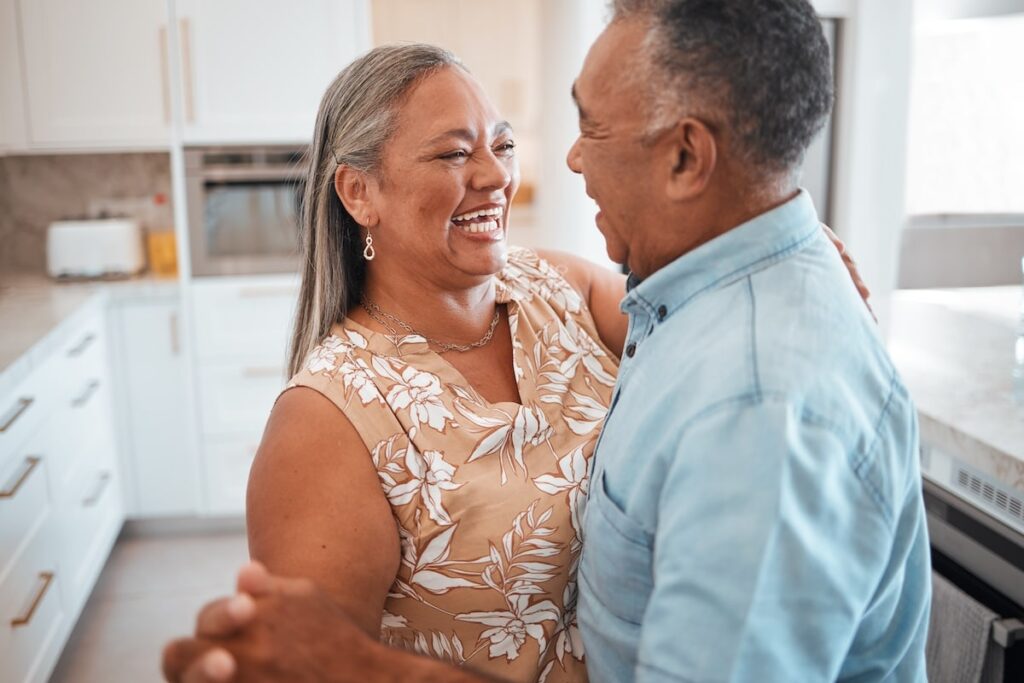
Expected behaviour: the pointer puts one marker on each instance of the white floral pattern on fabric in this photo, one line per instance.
(488, 498)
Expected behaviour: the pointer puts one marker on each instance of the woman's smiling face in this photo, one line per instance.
(448, 175)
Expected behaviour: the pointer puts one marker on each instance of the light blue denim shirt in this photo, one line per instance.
(755, 509)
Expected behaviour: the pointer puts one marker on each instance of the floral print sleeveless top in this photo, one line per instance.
(488, 496)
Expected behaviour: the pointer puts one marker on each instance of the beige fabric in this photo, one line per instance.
(488, 497)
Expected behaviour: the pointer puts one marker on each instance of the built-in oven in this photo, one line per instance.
(243, 208)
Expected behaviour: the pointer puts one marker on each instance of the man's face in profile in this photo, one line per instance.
(611, 94)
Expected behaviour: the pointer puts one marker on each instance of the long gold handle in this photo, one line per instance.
(26, 469)
(165, 80)
(45, 578)
(14, 413)
(265, 292)
(101, 486)
(80, 348)
(175, 335)
(185, 29)
(256, 373)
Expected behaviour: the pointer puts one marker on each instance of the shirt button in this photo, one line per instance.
(662, 313)
(630, 350)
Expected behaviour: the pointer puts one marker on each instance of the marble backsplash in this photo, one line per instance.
(37, 190)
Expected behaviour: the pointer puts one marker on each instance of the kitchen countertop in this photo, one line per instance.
(954, 350)
(36, 311)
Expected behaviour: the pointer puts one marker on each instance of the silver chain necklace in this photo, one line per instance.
(381, 316)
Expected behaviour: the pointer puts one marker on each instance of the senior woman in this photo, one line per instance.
(427, 464)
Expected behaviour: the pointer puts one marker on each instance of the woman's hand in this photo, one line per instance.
(851, 266)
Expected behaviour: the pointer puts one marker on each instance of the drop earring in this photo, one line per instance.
(368, 251)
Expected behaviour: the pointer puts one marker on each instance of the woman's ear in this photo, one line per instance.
(691, 154)
(355, 189)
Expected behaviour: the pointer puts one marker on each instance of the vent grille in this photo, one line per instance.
(993, 495)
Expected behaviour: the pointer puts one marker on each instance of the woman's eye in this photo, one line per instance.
(457, 154)
(507, 147)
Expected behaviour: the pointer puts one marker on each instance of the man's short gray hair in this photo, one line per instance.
(760, 67)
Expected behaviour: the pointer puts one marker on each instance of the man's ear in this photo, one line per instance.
(355, 189)
(692, 154)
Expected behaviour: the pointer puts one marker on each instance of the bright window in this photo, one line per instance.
(966, 129)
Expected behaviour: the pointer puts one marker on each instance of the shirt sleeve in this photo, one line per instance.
(767, 551)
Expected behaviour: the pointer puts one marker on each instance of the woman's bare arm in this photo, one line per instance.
(602, 289)
(315, 507)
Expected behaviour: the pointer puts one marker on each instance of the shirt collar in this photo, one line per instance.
(724, 259)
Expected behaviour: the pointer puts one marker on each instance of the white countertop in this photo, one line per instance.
(35, 310)
(954, 349)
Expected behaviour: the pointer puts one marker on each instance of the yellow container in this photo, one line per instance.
(163, 254)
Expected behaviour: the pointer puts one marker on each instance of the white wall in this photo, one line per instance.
(563, 214)
(871, 125)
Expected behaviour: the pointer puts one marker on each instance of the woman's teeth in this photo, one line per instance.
(485, 220)
(486, 226)
(495, 212)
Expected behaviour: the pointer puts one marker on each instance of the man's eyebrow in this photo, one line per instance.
(467, 135)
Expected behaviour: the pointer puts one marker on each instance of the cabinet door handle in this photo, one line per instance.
(80, 348)
(101, 486)
(45, 579)
(8, 420)
(18, 479)
(165, 81)
(265, 292)
(185, 31)
(257, 373)
(90, 389)
(175, 335)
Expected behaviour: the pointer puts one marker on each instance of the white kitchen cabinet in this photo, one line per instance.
(96, 73)
(241, 330)
(80, 440)
(161, 466)
(60, 498)
(255, 70)
(12, 110)
(226, 468)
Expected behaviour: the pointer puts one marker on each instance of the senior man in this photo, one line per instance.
(755, 509)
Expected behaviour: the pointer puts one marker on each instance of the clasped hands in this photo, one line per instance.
(273, 629)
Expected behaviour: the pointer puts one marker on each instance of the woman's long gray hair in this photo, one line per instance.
(356, 118)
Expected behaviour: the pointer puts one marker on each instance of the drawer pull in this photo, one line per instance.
(101, 486)
(8, 420)
(90, 389)
(256, 373)
(266, 292)
(45, 579)
(80, 348)
(20, 478)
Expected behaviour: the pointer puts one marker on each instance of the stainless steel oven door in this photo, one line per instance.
(243, 207)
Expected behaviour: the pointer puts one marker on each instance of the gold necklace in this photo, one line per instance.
(382, 316)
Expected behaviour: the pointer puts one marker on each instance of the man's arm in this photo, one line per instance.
(284, 630)
(767, 551)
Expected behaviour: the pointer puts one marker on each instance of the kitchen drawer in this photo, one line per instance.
(33, 619)
(24, 409)
(227, 464)
(88, 520)
(238, 398)
(81, 431)
(248, 318)
(84, 354)
(24, 507)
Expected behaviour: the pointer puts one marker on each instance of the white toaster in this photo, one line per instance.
(95, 248)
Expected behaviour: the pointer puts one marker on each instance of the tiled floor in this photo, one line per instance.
(149, 592)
